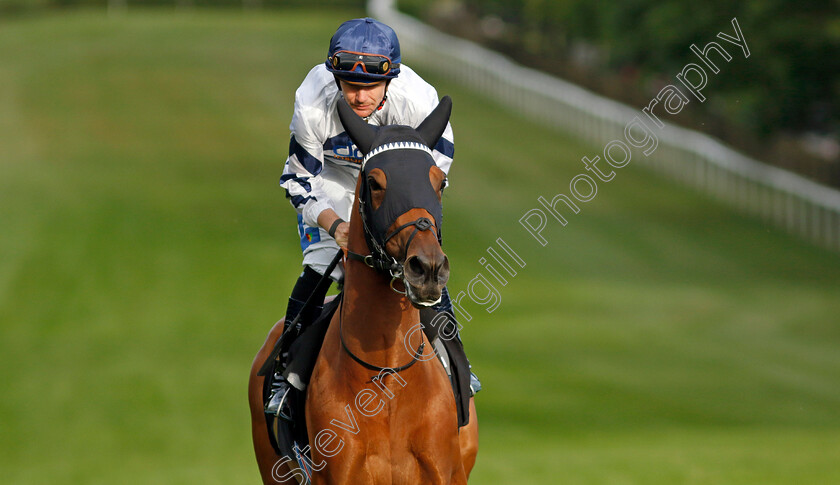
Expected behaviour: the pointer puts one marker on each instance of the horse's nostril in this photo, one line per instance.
(415, 266)
(442, 273)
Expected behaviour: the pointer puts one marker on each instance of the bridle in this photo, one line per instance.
(380, 260)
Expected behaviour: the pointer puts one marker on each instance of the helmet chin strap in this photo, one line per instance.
(384, 95)
(384, 98)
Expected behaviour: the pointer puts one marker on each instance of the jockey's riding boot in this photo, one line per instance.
(309, 285)
(439, 323)
(445, 305)
(294, 307)
(436, 325)
(278, 404)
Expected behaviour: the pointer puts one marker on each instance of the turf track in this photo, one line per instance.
(145, 250)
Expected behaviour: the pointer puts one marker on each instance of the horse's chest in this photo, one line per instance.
(394, 431)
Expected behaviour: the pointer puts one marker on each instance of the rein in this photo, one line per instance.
(369, 366)
(380, 261)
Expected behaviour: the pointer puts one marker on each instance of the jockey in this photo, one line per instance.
(364, 66)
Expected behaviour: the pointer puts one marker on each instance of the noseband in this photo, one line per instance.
(384, 263)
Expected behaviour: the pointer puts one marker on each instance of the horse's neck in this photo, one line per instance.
(375, 317)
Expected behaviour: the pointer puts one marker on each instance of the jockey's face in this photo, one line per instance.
(363, 98)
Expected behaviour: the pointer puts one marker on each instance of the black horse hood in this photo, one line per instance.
(406, 166)
(405, 156)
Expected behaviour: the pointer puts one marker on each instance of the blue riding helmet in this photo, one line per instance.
(364, 51)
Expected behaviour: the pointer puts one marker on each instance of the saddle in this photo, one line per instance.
(287, 429)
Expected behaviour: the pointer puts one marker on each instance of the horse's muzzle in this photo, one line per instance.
(425, 275)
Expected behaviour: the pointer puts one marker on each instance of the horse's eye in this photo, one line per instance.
(374, 185)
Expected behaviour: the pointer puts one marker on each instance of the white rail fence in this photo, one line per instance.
(695, 159)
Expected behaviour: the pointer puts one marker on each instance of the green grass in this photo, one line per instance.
(659, 338)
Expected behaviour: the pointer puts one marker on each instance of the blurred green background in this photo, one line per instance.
(146, 249)
(781, 106)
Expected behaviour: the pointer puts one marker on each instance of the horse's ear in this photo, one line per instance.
(360, 132)
(431, 129)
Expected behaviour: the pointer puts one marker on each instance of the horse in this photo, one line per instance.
(380, 408)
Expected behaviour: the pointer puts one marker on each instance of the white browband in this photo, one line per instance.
(403, 145)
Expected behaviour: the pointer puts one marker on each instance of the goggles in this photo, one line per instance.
(371, 63)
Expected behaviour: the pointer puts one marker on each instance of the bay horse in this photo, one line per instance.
(380, 408)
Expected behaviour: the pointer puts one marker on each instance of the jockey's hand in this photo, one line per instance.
(342, 233)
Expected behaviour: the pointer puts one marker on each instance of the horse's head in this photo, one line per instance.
(399, 198)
